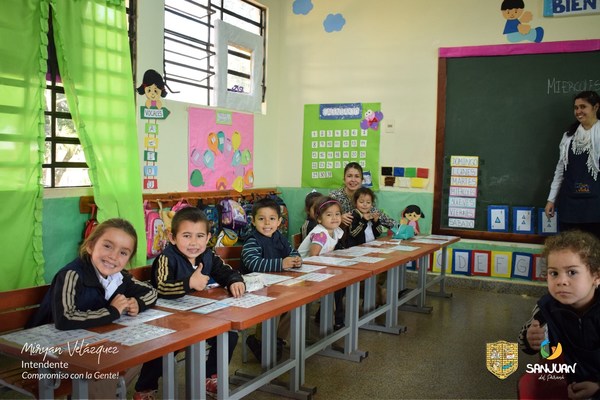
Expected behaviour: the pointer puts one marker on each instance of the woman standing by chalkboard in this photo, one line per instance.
(576, 187)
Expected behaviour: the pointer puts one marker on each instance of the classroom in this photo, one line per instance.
(408, 62)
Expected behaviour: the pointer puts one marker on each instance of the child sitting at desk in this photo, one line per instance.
(267, 250)
(309, 208)
(94, 290)
(365, 225)
(186, 265)
(323, 239)
(568, 317)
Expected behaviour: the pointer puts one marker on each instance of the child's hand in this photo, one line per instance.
(347, 219)
(582, 390)
(120, 302)
(368, 216)
(133, 308)
(198, 280)
(375, 216)
(297, 261)
(237, 289)
(289, 262)
(535, 335)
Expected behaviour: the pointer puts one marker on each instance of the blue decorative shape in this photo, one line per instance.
(522, 265)
(302, 7)
(334, 23)
(461, 261)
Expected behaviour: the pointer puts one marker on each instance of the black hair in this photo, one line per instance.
(363, 191)
(323, 203)
(266, 202)
(510, 4)
(413, 209)
(192, 214)
(353, 165)
(591, 97)
(151, 77)
(310, 200)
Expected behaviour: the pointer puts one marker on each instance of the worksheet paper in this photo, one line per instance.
(338, 262)
(48, 336)
(142, 317)
(184, 303)
(136, 334)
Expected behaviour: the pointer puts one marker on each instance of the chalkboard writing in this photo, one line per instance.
(509, 109)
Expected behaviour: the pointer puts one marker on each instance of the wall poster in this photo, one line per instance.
(336, 134)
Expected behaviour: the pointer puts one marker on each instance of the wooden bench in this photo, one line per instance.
(16, 308)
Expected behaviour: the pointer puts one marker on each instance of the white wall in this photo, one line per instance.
(386, 52)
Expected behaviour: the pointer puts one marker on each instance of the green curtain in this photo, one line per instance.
(23, 55)
(95, 64)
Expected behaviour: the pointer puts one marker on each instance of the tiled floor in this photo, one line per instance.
(441, 356)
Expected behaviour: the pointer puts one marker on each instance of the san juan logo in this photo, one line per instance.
(502, 358)
(550, 370)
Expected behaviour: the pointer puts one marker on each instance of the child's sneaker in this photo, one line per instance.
(211, 386)
(146, 395)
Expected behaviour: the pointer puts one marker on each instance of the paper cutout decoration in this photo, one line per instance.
(334, 23)
(523, 219)
(209, 159)
(481, 263)
(547, 226)
(212, 142)
(196, 158)
(501, 264)
(461, 262)
(153, 87)
(302, 7)
(196, 179)
(539, 268)
(372, 119)
(437, 258)
(221, 141)
(522, 265)
(498, 218)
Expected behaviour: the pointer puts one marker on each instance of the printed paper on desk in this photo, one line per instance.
(137, 334)
(429, 241)
(184, 303)
(402, 247)
(247, 300)
(368, 260)
(308, 268)
(254, 282)
(268, 279)
(338, 262)
(217, 305)
(353, 251)
(48, 336)
(142, 317)
(382, 250)
(314, 277)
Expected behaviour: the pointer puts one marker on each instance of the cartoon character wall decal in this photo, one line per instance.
(411, 216)
(372, 119)
(153, 87)
(517, 27)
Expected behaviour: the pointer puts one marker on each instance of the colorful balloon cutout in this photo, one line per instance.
(213, 142)
(238, 184)
(209, 159)
(221, 183)
(249, 178)
(196, 158)
(236, 140)
(237, 158)
(196, 179)
(228, 146)
(246, 157)
(221, 141)
(239, 170)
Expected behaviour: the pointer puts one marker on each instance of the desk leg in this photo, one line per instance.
(222, 366)
(326, 323)
(169, 378)
(80, 389)
(441, 278)
(390, 307)
(421, 289)
(195, 369)
(46, 386)
(269, 337)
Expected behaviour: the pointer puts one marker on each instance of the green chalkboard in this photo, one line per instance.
(511, 112)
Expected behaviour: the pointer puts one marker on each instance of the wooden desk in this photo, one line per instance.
(291, 299)
(192, 330)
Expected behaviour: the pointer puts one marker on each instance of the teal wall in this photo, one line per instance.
(62, 227)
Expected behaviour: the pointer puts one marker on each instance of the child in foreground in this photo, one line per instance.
(267, 250)
(365, 226)
(94, 290)
(184, 266)
(323, 239)
(569, 314)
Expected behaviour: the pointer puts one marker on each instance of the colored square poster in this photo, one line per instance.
(221, 152)
(336, 134)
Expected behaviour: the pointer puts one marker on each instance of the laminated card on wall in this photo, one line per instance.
(498, 218)
(523, 219)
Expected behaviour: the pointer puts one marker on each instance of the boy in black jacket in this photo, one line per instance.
(184, 266)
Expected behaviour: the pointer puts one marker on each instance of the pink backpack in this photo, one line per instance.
(156, 232)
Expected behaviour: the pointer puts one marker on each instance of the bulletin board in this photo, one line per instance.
(336, 134)
(507, 105)
(221, 153)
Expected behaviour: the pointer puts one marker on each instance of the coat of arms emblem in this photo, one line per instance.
(502, 358)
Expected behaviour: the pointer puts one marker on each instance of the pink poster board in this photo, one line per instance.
(221, 153)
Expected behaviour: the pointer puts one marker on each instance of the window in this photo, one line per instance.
(189, 46)
(64, 162)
